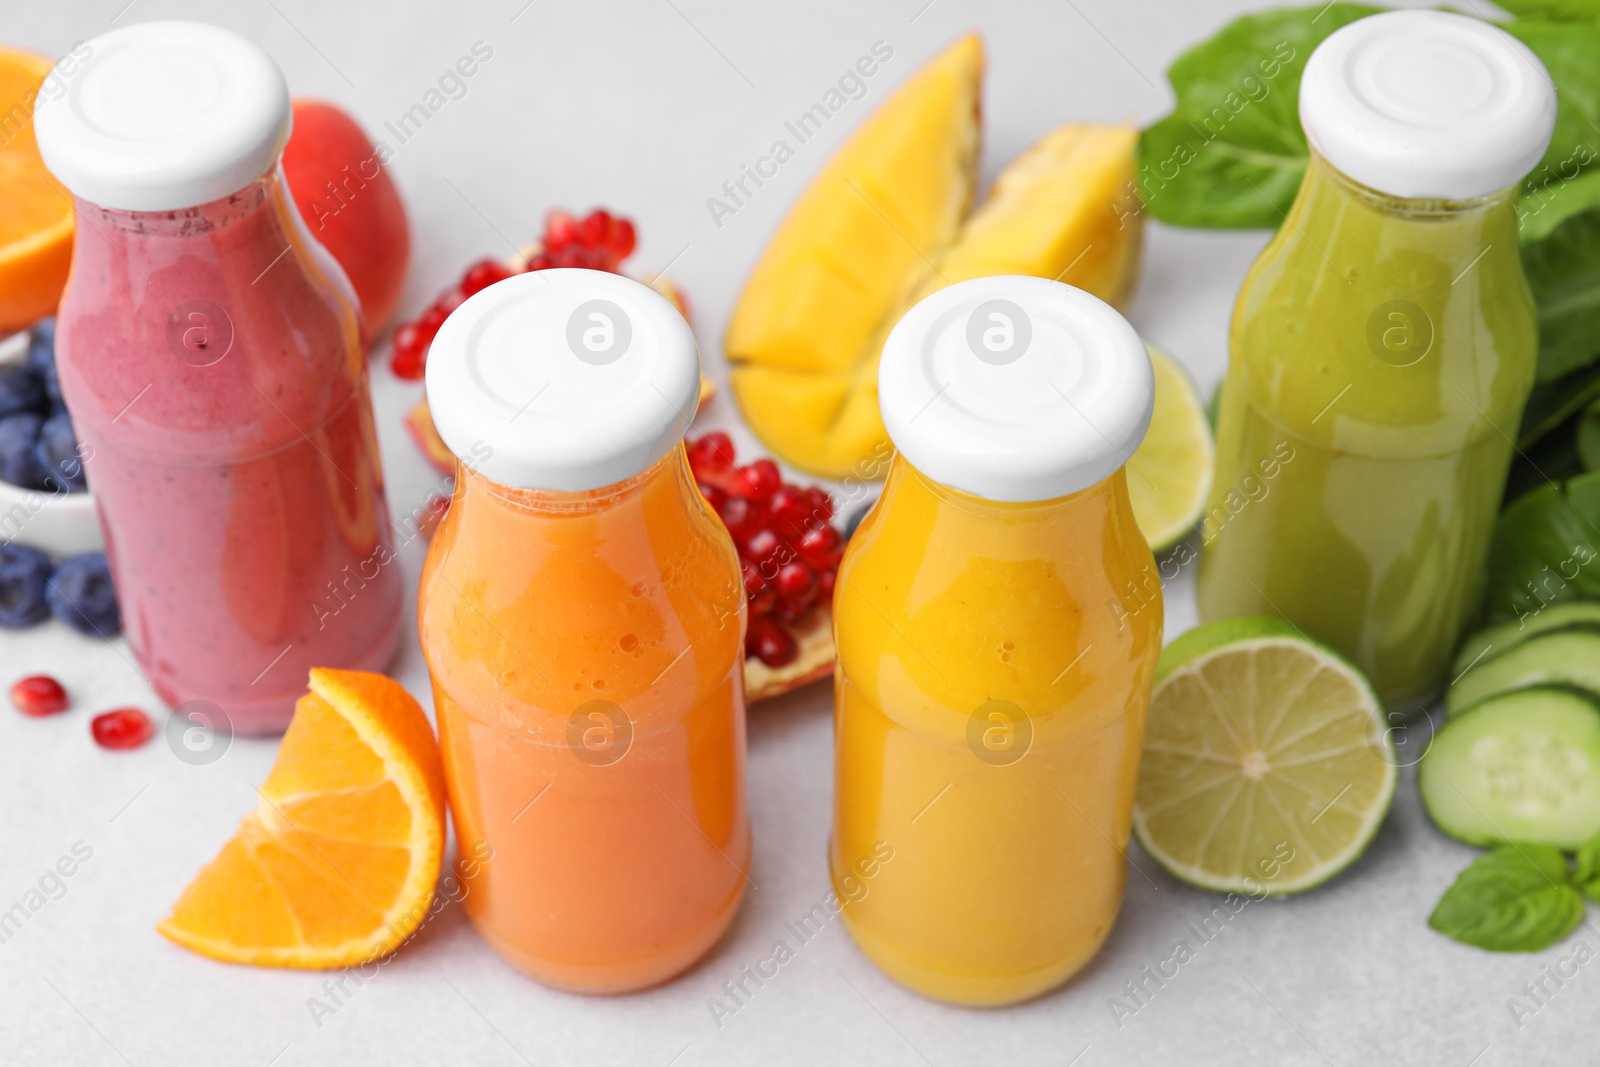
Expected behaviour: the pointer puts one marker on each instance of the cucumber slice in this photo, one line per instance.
(1559, 657)
(1521, 767)
(1495, 640)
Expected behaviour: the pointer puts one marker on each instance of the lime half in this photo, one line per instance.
(1169, 475)
(1267, 765)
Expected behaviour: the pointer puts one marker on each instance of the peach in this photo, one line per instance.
(350, 204)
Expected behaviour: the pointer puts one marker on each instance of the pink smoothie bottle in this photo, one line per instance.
(210, 353)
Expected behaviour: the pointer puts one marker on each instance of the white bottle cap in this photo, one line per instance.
(1426, 104)
(1015, 388)
(563, 379)
(162, 116)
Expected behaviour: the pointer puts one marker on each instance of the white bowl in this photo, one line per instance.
(62, 524)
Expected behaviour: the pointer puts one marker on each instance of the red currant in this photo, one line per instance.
(743, 518)
(770, 643)
(758, 480)
(121, 728)
(38, 695)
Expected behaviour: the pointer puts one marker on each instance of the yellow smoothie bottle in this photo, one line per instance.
(998, 623)
(1381, 351)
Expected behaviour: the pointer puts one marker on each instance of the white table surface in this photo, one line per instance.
(646, 107)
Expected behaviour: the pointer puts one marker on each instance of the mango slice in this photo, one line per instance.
(886, 223)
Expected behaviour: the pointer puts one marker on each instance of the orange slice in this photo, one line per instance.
(337, 864)
(35, 212)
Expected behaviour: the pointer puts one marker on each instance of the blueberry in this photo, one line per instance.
(24, 577)
(19, 433)
(42, 357)
(81, 595)
(21, 389)
(57, 455)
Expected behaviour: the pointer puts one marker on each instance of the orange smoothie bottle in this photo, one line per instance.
(998, 623)
(583, 616)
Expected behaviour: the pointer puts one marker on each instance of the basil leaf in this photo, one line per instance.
(1545, 548)
(1569, 10)
(1588, 873)
(1564, 273)
(1518, 898)
(1231, 154)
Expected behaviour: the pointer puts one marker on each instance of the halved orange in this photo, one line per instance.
(337, 864)
(35, 212)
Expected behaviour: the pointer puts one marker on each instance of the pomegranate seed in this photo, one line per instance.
(595, 228)
(826, 579)
(711, 457)
(407, 365)
(623, 239)
(38, 695)
(714, 496)
(121, 728)
(796, 581)
(762, 548)
(789, 509)
(743, 517)
(821, 503)
(758, 480)
(539, 262)
(770, 643)
(791, 609)
(819, 546)
(433, 318)
(483, 274)
(560, 230)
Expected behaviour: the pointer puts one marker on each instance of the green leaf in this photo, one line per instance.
(1545, 548)
(1564, 274)
(1518, 898)
(1552, 403)
(1588, 873)
(1539, 212)
(1232, 153)
(1588, 438)
(1571, 53)
(1561, 10)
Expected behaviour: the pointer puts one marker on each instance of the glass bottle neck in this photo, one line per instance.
(1323, 181)
(669, 473)
(904, 480)
(264, 200)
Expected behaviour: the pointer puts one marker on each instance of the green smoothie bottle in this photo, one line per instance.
(1382, 349)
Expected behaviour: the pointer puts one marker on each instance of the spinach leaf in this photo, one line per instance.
(1545, 548)
(1571, 53)
(1231, 154)
(1561, 10)
(1518, 898)
(1552, 403)
(1564, 273)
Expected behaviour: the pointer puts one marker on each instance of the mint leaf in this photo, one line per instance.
(1564, 274)
(1231, 154)
(1518, 898)
(1588, 873)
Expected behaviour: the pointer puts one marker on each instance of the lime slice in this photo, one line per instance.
(1267, 765)
(1169, 475)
